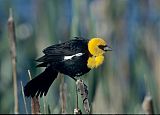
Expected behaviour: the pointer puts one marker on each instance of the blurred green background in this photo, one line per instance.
(130, 71)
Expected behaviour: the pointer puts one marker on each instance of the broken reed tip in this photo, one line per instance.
(148, 105)
(29, 73)
(10, 15)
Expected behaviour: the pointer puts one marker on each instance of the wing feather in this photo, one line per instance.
(68, 48)
(57, 52)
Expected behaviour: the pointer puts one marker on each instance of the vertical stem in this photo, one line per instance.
(25, 105)
(82, 89)
(12, 40)
(63, 94)
(77, 110)
(147, 105)
(76, 97)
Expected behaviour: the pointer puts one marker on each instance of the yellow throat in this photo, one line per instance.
(97, 53)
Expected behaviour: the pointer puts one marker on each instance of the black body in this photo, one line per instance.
(55, 62)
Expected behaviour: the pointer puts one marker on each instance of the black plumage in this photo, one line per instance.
(40, 84)
(54, 61)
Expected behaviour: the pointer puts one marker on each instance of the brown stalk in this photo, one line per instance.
(12, 40)
(77, 110)
(82, 89)
(148, 105)
(34, 101)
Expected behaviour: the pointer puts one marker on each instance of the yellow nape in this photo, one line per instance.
(94, 62)
(93, 46)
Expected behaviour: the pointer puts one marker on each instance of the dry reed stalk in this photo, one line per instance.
(77, 110)
(82, 89)
(25, 105)
(148, 105)
(34, 101)
(12, 40)
(35, 105)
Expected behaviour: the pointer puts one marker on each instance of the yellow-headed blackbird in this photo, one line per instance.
(73, 58)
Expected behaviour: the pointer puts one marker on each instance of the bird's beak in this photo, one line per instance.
(107, 48)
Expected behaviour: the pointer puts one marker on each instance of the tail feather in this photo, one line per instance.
(40, 84)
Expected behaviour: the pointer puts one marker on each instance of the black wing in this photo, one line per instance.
(56, 53)
(68, 48)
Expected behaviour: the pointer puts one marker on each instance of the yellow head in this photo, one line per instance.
(97, 48)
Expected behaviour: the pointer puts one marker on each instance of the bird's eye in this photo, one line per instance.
(102, 47)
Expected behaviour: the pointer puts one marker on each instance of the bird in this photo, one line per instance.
(73, 58)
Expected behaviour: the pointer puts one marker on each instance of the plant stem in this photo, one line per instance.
(25, 105)
(12, 40)
(63, 94)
